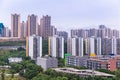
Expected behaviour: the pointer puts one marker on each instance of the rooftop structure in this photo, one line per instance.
(85, 72)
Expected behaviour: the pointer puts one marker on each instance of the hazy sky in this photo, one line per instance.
(66, 14)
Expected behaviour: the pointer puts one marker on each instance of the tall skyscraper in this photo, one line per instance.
(1, 30)
(34, 47)
(15, 25)
(56, 46)
(45, 26)
(32, 24)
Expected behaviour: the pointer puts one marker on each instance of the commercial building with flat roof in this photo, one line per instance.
(47, 62)
(76, 61)
(110, 63)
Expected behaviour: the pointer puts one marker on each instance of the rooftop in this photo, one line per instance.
(85, 72)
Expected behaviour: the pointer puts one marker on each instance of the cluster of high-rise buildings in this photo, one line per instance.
(102, 41)
(82, 42)
(32, 26)
(4, 31)
(101, 32)
(34, 47)
(93, 45)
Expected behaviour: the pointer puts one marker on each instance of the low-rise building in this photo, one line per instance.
(47, 62)
(109, 63)
(82, 73)
(76, 61)
(14, 60)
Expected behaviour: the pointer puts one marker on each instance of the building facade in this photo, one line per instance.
(75, 46)
(23, 29)
(15, 25)
(45, 27)
(32, 24)
(1, 30)
(34, 47)
(76, 61)
(47, 62)
(109, 63)
(56, 46)
(63, 34)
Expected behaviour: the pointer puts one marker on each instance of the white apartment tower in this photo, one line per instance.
(34, 47)
(98, 46)
(56, 46)
(114, 46)
(76, 46)
(91, 45)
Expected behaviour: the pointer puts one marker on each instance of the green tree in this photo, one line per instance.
(117, 73)
(3, 74)
(32, 70)
(61, 62)
(17, 67)
(41, 77)
(12, 71)
(20, 49)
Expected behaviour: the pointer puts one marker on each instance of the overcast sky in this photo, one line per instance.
(66, 14)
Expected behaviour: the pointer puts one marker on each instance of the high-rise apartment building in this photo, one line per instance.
(104, 32)
(118, 46)
(63, 34)
(115, 33)
(53, 31)
(56, 46)
(79, 33)
(6, 32)
(23, 29)
(76, 46)
(92, 32)
(101, 32)
(98, 46)
(45, 26)
(69, 45)
(34, 47)
(32, 24)
(15, 25)
(91, 45)
(113, 46)
(109, 46)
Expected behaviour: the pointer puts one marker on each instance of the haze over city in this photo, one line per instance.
(65, 14)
